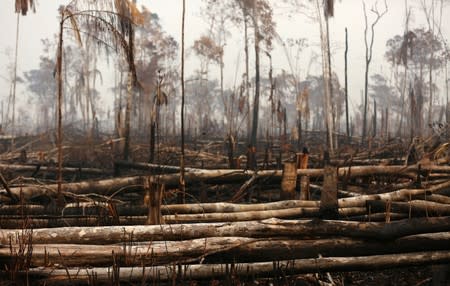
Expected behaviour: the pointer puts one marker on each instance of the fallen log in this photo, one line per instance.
(259, 269)
(103, 217)
(74, 221)
(37, 168)
(107, 220)
(229, 207)
(102, 187)
(434, 198)
(399, 195)
(414, 207)
(219, 249)
(157, 168)
(21, 209)
(89, 208)
(378, 217)
(107, 187)
(257, 215)
(265, 228)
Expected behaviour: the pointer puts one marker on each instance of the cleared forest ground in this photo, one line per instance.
(380, 216)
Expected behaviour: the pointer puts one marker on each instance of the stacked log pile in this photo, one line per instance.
(386, 216)
(206, 250)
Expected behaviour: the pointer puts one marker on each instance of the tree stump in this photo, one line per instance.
(303, 181)
(153, 199)
(328, 198)
(288, 181)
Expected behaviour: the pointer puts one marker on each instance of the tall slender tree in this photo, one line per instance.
(328, 11)
(182, 183)
(346, 86)
(369, 52)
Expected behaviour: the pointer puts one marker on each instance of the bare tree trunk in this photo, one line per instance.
(255, 119)
(431, 24)
(346, 87)
(221, 92)
(226, 249)
(369, 48)
(182, 195)
(13, 127)
(447, 113)
(152, 141)
(92, 100)
(191, 272)
(127, 127)
(405, 76)
(59, 102)
(403, 95)
(333, 138)
(257, 228)
(326, 73)
(374, 118)
(366, 82)
(130, 93)
(247, 76)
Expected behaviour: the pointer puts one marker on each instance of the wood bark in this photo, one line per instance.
(347, 125)
(59, 100)
(153, 200)
(257, 215)
(415, 207)
(37, 168)
(255, 115)
(157, 168)
(328, 196)
(403, 194)
(288, 181)
(130, 92)
(368, 58)
(220, 249)
(134, 210)
(108, 218)
(107, 187)
(182, 180)
(102, 187)
(208, 271)
(264, 228)
(303, 183)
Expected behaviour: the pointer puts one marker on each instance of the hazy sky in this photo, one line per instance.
(348, 14)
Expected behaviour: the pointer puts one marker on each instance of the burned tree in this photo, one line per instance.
(368, 58)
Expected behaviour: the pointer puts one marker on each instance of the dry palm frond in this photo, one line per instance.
(110, 24)
(329, 8)
(128, 11)
(74, 24)
(22, 6)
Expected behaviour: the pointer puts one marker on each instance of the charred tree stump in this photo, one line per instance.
(288, 181)
(328, 197)
(303, 182)
(153, 198)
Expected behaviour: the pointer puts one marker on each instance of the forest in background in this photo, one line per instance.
(407, 101)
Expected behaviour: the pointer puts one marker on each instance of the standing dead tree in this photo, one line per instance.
(181, 197)
(346, 86)
(21, 6)
(328, 11)
(369, 53)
